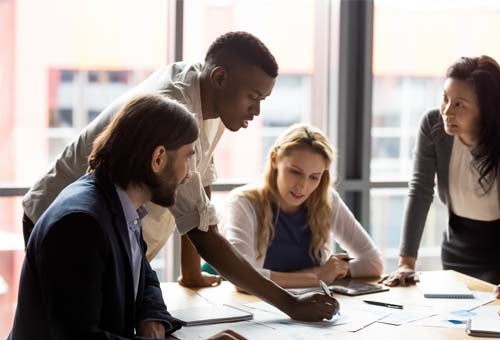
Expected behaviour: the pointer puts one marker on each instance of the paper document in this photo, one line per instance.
(462, 310)
(450, 305)
(248, 329)
(407, 315)
(269, 316)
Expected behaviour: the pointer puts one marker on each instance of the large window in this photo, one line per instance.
(61, 63)
(76, 97)
(240, 156)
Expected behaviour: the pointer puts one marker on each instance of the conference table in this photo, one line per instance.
(178, 297)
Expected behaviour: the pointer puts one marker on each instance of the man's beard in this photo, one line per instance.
(163, 192)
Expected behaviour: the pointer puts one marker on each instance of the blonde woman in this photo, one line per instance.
(284, 227)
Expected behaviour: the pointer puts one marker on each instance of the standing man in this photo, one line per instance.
(224, 92)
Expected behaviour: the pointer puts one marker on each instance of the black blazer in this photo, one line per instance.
(76, 280)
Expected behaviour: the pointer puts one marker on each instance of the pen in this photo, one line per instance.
(383, 304)
(347, 259)
(325, 289)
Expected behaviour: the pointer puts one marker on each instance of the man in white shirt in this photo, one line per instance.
(224, 92)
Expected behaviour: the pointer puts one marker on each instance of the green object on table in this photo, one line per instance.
(207, 268)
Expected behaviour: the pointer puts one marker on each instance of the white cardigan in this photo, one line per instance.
(240, 223)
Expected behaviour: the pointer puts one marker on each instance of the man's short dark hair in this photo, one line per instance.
(242, 47)
(122, 152)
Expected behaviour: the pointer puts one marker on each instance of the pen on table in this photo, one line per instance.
(383, 304)
(325, 289)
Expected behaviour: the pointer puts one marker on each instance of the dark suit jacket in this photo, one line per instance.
(76, 280)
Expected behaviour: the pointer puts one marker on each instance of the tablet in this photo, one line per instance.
(353, 287)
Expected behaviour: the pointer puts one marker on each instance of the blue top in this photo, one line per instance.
(289, 250)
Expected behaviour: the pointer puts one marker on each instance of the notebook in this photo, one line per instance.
(446, 290)
(485, 327)
(209, 315)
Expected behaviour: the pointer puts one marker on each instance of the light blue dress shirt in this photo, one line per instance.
(133, 218)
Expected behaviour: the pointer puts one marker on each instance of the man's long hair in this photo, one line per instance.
(122, 152)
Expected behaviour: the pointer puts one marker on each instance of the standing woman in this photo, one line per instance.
(284, 227)
(460, 143)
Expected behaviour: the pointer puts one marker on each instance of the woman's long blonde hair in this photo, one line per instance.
(318, 204)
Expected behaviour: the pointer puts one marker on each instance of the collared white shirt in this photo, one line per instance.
(179, 81)
(467, 198)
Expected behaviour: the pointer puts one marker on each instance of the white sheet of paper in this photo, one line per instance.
(455, 314)
(356, 315)
(248, 329)
(266, 315)
(407, 315)
(443, 306)
(488, 311)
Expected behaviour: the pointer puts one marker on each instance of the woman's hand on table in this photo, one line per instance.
(404, 276)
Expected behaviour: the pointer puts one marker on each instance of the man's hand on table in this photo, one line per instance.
(202, 280)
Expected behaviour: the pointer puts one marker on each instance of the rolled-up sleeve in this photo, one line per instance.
(193, 208)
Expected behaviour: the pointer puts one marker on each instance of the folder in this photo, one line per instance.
(196, 316)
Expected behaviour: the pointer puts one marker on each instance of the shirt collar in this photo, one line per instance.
(131, 214)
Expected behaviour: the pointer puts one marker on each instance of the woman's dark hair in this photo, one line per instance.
(244, 48)
(122, 152)
(483, 74)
